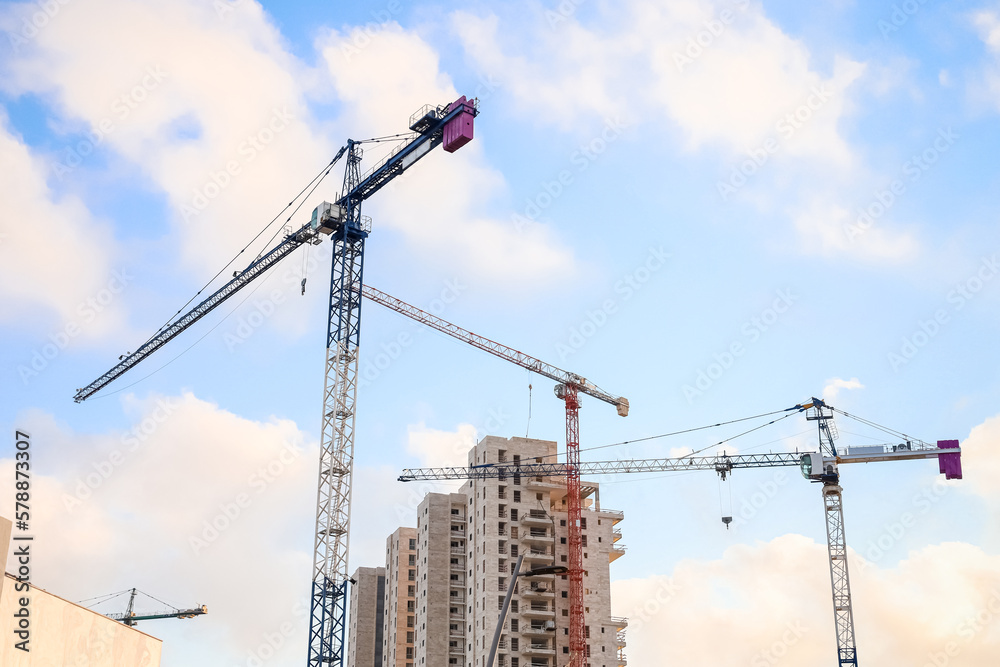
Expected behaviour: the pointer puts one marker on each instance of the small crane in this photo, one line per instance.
(568, 390)
(130, 618)
(820, 467)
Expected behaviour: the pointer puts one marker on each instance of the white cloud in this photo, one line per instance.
(223, 127)
(775, 597)
(192, 504)
(729, 85)
(437, 448)
(987, 23)
(981, 460)
(439, 207)
(54, 256)
(833, 386)
(729, 80)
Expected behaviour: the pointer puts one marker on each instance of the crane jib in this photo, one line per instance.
(169, 332)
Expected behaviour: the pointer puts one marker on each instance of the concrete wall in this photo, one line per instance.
(64, 634)
(365, 626)
(399, 622)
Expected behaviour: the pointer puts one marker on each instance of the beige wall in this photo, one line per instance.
(396, 640)
(64, 634)
(364, 639)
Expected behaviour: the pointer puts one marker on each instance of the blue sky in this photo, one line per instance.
(716, 209)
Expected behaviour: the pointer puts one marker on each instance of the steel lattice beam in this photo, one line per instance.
(333, 502)
(836, 542)
(577, 641)
(717, 463)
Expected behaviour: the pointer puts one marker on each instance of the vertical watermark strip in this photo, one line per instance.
(22, 550)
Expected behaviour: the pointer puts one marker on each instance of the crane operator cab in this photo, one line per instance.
(325, 218)
(815, 469)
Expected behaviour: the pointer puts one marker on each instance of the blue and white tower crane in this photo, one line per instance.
(450, 125)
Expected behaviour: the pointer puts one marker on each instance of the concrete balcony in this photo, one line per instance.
(538, 649)
(538, 593)
(614, 515)
(617, 552)
(544, 483)
(616, 535)
(536, 519)
(538, 611)
(536, 535)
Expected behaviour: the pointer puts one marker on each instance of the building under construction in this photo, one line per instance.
(445, 582)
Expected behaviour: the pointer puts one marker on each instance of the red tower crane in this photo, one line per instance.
(569, 389)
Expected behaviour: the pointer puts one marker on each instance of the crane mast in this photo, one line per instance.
(328, 609)
(820, 466)
(568, 390)
(836, 541)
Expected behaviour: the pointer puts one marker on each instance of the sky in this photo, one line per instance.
(716, 209)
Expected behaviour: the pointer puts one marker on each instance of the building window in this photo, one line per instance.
(517, 496)
(413, 559)
(412, 575)
(583, 524)
(413, 544)
(409, 591)
(409, 621)
(513, 606)
(562, 540)
(409, 637)
(562, 522)
(513, 625)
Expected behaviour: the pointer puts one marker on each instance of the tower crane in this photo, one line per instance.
(130, 618)
(450, 125)
(568, 389)
(821, 467)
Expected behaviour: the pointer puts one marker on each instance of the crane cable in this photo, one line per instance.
(689, 430)
(316, 179)
(107, 597)
(188, 348)
(879, 427)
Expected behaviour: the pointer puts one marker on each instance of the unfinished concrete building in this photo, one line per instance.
(365, 642)
(399, 617)
(466, 546)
